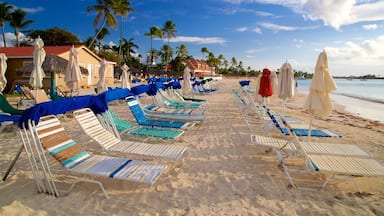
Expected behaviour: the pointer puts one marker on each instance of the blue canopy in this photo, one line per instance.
(5, 117)
(136, 80)
(244, 82)
(62, 106)
(175, 85)
(140, 89)
(114, 94)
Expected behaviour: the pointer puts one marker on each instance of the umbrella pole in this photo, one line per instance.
(284, 106)
(310, 128)
(13, 162)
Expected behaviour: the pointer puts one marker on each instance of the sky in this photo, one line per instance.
(259, 33)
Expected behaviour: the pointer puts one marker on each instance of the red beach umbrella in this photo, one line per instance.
(265, 89)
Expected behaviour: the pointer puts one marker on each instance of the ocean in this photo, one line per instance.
(364, 98)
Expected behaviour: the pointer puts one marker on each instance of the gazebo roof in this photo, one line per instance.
(52, 63)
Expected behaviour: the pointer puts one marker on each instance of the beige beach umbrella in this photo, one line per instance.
(275, 83)
(3, 69)
(286, 85)
(125, 81)
(319, 102)
(187, 87)
(72, 71)
(101, 86)
(37, 75)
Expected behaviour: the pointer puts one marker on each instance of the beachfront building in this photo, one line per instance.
(199, 68)
(19, 57)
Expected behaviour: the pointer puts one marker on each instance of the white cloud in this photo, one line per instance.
(198, 40)
(298, 42)
(367, 52)
(276, 27)
(242, 29)
(334, 13)
(31, 10)
(10, 39)
(257, 30)
(370, 27)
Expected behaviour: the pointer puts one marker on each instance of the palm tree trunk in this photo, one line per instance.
(3, 32)
(121, 35)
(98, 32)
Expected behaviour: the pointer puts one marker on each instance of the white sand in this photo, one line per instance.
(220, 174)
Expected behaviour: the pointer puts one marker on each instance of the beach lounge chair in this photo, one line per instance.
(299, 129)
(175, 114)
(110, 140)
(7, 119)
(336, 167)
(182, 97)
(8, 108)
(163, 99)
(110, 119)
(49, 136)
(141, 119)
(309, 147)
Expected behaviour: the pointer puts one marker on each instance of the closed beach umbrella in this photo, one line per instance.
(319, 102)
(286, 87)
(187, 87)
(101, 83)
(125, 82)
(37, 75)
(3, 69)
(265, 88)
(72, 72)
(274, 82)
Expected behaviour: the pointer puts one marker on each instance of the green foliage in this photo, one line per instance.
(55, 37)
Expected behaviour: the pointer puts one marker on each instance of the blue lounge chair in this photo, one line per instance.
(141, 119)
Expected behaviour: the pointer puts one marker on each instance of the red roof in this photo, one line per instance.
(27, 51)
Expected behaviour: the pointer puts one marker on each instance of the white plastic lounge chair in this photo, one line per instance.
(338, 161)
(310, 147)
(110, 140)
(174, 114)
(49, 136)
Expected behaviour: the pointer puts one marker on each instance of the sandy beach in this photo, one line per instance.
(221, 173)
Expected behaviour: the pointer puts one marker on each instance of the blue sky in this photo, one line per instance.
(260, 33)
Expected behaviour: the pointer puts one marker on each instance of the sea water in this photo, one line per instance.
(364, 98)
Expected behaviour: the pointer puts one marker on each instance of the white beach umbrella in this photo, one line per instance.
(275, 83)
(37, 75)
(3, 69)
(187, 87)
(125, 82)
(319, 102)
(72, 72)
(286, 86)
(101, 86)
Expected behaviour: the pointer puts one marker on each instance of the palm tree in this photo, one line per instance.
(233, 62)
(154, 31)
(165, 52)
(103, 10)
(18, 22)
(5, 16)
(102, 33)
(122, 8)
(169, 29)
(204, 50)
(126, 47)
(182, 52)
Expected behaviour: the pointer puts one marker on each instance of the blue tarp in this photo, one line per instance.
(62, 106)
(4, 117)
(244, 82)
(115, 94)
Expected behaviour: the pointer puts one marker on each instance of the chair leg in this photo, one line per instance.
(89, 181)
